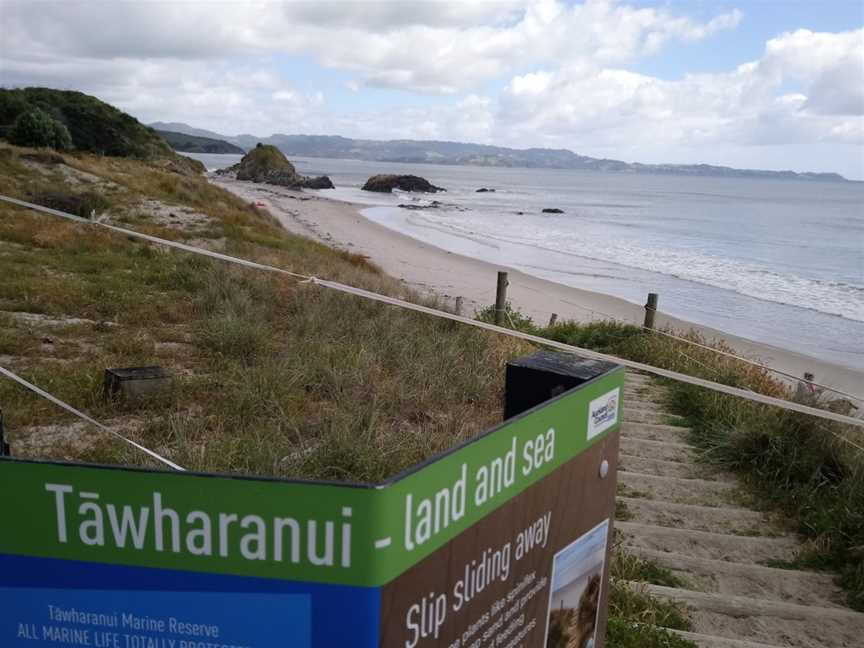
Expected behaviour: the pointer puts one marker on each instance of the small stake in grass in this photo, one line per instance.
(553, 319)
(136, 383)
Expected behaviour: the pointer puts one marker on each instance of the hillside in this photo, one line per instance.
(244, 400)
(184, 143)
(452, 153)
(94, 125)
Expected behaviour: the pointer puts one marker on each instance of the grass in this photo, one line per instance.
(621, 633)
(792, 463)
(637, 619)
(272, 377)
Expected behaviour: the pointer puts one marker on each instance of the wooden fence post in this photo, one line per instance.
(553, 319)
(4, 447)
(650, 310)
(501, 298)
(459, 305)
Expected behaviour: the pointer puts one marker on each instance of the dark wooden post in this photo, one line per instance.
(650, 310)
(459, 305)
(5, 451)
(553, 319)
(501, 298)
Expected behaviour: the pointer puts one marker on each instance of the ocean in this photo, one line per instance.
(776, 261)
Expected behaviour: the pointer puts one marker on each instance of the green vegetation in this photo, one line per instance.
(36, 128)
(637, 619)
(796, 464)
(626, 567)
(621, 633)
(93, 125)
(273, 377)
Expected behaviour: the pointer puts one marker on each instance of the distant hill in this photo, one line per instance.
(93, 125)
(437, 152)
(197, 144)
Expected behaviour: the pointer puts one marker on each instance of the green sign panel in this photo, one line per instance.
(306, 544)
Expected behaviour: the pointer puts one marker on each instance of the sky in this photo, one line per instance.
(772, 84)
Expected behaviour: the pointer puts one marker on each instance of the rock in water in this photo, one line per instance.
(484, 190)
(266, 163)
(387, 183)
(553, 210)
(321, 182)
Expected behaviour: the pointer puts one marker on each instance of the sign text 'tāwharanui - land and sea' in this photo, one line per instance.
(499, 543)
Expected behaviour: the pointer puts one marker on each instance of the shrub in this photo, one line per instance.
(92, 124)
(513, 318)
(37, 128)
(83, 204)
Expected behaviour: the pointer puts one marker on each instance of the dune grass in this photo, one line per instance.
(272, 377)
(637, 619)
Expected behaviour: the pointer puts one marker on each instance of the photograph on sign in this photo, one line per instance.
(577, 577)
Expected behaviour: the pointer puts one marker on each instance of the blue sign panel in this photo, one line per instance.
(58, 602)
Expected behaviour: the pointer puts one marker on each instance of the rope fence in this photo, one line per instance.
(400, 303)
(678, 338)
(44, 394)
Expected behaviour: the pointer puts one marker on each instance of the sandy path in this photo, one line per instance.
(426, 267)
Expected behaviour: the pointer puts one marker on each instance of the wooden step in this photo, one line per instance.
(647, 466)
(701, 492)
(644, 415)
(707, 641)
(703, 544)
(761, 620)
(758, 581)
(663, 450)
(654, 432)
(734, 521)
(632, 383)
(645, 392)
(643, 405)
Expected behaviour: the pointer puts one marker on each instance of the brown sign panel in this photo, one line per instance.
(530, 574)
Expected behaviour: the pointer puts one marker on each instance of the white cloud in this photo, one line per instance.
(441, 47)
(564, 67)
(605, 109)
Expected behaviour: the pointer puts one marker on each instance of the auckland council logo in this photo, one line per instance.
(603, 412)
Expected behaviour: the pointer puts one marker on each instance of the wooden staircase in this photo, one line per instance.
(684, 515)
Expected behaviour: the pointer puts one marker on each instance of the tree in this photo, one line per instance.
(37, 128)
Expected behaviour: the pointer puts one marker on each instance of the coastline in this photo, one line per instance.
(427, 268)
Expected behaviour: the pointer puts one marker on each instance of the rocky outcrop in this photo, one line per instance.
(553, 210)
(485, 190)
(387, 183)
(321, 182)
(268, 164)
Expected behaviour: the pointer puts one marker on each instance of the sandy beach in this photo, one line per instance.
(428, 268)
